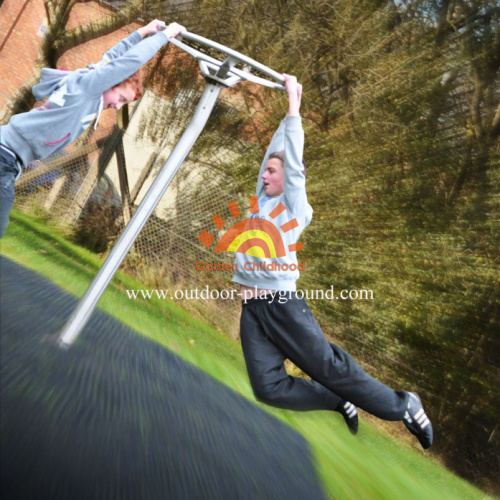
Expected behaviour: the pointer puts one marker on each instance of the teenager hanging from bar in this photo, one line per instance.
(273, 330)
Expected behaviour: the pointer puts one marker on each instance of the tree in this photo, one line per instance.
(401, 108)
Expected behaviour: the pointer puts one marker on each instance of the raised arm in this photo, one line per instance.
(294, 180)
(114, 71)
(290, 138)
(277, 144)
(133, 39)
(121, 47)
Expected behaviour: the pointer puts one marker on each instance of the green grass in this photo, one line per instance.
(369, 466)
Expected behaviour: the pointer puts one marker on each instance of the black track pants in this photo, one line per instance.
(273, 332)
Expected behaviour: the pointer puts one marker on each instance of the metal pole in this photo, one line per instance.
(86, 306)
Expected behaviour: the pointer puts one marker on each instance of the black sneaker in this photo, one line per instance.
(350, 414)
(417, 421)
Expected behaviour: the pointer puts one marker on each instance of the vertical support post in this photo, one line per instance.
(123, 178)
(92, 176)
(85, 307)
(143, 176)
(54, 192)
(123, 121)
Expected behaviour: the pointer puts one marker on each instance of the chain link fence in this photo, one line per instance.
(80, 190)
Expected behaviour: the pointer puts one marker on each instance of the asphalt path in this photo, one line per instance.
(119, 417)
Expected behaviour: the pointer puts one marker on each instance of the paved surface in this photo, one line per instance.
(119, 417)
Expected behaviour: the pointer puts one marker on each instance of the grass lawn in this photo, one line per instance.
(371, 465)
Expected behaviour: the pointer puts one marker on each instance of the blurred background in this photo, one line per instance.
(401, 110)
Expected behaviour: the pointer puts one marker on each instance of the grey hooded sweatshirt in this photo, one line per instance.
(280, 273)
(75, 99)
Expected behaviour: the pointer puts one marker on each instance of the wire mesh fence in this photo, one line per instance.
(80, 190)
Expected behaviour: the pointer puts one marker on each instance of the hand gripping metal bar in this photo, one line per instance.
(245, 60)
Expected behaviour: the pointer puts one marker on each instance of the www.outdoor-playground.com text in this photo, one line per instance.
(281, 296)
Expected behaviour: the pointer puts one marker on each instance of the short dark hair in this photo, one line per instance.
(280, 155)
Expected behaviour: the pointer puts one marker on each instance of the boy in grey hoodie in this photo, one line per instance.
(75, 99)
(277, 325)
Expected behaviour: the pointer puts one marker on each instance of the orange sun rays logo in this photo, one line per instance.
(253, 236)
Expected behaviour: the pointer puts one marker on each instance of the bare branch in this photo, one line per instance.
(96, 29)
(50, 10)
(495, 126)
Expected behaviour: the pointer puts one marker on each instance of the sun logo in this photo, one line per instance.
(253, 236)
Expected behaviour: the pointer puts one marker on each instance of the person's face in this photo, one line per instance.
(118, 96)
(273, 177)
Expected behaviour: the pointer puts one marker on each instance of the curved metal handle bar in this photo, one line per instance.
(244, 75)
(230, 52)
(215, 63)
(236, 75)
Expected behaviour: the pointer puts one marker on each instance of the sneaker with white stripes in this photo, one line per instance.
(350, 414)
(417, 421)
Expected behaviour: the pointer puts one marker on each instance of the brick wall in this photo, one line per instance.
(20, 46)
(92, 51)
